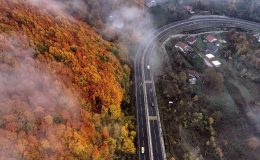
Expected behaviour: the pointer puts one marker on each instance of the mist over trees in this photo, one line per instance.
(173, 10)
(246, 9)
(61, 85)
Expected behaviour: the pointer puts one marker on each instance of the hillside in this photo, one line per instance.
(61, 88)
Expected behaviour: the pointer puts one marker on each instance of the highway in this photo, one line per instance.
(149, 131)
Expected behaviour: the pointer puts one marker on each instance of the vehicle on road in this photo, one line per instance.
(142, 150)
(145, 52)
(152, 104)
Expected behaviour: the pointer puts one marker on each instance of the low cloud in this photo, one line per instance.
(132, 25)
(60, 7)
(30, 98)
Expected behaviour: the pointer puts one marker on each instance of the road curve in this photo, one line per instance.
(149, 131)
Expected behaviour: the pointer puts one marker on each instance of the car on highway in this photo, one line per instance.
(152, 104)
(142, 150)
(148, 67)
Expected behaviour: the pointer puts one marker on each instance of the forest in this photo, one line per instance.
(174, 10)
(61, 88)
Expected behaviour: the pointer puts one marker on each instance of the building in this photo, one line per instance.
(211, 38)
(216, 63)
(257, 36)
(192, 80)
(212, 49)
(210, 56)
(193, 73)
(182, 46)
(189, 9)
(193, 76)
(222, 41)
(191, 40)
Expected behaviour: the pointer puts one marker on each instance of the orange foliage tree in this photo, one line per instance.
(64, 101)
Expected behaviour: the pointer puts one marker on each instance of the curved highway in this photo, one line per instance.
(148, 120)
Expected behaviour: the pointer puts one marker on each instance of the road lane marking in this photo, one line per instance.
(156, 146)
(176, 26)
(151, 118)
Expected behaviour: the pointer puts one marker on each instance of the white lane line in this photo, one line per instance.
(156, 146)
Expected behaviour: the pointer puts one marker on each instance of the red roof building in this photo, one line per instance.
(211, 38)
(182, 46)
(191, 40)
(193, 73)
(188, 8)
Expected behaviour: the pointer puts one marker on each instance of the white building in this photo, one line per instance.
(216, 63)
(192, 80)
(222, 41)
(210, 56)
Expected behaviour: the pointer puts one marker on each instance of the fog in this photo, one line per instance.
(133, 25)
(29, 93)
(60, 7)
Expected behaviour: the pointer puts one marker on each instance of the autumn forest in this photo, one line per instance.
(61, 88)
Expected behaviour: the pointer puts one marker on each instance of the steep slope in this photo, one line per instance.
(61, 88)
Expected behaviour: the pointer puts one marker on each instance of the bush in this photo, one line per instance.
(42, 47)
(214, 80)
(114, 50)
(103, 58)
(73, 48)
(58, 119)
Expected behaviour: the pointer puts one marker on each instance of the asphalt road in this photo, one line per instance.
(148, 118)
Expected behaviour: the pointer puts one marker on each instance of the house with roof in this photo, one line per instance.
(191, 40)
(193, 73)
(257, 36)
(182, 46)
(216, 63)
(189, 9)
(211, 38)
(210, 56)
(193, 76)
(211, 49)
